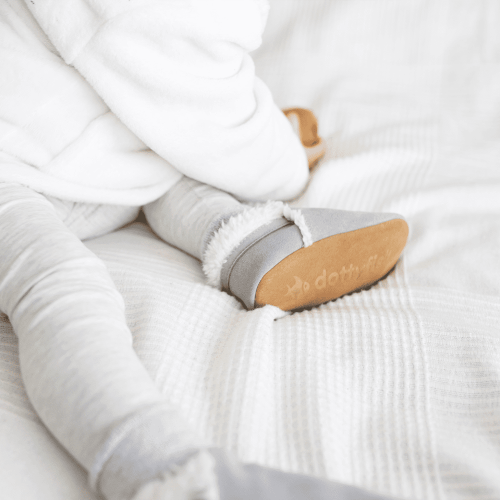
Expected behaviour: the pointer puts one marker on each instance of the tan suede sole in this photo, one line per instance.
(333, 267)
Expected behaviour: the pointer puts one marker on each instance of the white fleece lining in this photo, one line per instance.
(238, 227)
(194, 480)
(297, 217)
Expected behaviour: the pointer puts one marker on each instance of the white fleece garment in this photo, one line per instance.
(110, 101)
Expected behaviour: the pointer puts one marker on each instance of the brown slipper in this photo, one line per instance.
(305, 125)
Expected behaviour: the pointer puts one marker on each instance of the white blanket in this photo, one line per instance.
(396, 389)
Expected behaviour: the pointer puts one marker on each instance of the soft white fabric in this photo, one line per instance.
(110, 101)
(396, 389)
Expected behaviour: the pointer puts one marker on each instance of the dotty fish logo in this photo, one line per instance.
(298, 287)
(324, 279)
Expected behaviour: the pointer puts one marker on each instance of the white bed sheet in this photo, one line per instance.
(396, 389)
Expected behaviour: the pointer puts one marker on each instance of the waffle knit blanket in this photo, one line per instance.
(396, 389)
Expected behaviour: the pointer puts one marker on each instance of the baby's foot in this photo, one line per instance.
(293, 259)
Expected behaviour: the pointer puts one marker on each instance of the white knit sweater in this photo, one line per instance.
(110, 101)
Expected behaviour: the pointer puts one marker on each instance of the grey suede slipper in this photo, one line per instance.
(296, 259)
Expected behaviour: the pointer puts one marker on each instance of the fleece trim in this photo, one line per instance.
(238, 227)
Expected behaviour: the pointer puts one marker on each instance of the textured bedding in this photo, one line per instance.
(396, 389)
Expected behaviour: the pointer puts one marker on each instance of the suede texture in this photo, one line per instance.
(264, 249)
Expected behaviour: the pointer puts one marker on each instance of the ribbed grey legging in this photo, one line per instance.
(77, 362)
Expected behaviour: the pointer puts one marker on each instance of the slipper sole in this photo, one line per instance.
(314, 275)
